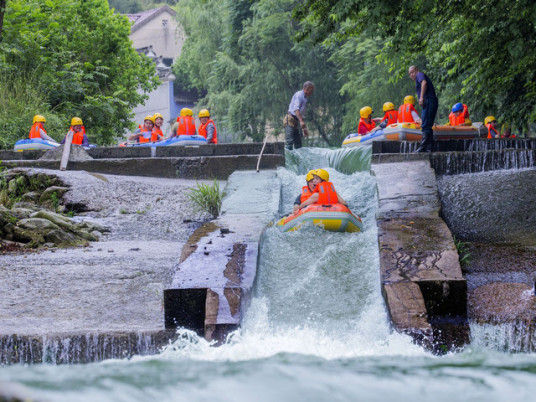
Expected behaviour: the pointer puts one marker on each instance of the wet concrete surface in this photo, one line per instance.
(115, 284)
(421, 278)
(494, 213)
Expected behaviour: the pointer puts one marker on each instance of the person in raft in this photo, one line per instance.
(391, 115)
(459, 116)
(38, 129)
(324, 192)
(307, 191)
(146, 133)
(366, 124)
(157, 129)
(407, 112)
(491, 124)
(207, 128)
(186, 122)
(79, 134)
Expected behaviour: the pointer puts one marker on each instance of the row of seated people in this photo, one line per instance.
(151, 130)
(459, 116)
(77, 129)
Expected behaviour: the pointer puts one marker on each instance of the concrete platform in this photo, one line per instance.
(421, 278)
(212, 287)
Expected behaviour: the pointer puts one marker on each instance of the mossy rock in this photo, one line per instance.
(64, 239)
(21, 213)
(87, 236)
(60, 220)
(48, 193)
(91, 227)
(31, 196)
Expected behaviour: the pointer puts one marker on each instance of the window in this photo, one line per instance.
(164, 23)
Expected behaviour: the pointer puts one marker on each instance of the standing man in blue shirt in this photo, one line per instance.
(294, 118)
(428, 101)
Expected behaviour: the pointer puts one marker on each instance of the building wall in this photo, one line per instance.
(166, 41)
(159, 102)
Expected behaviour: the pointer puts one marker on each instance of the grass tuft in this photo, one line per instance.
(207, 198)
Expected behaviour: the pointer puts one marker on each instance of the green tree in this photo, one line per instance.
(82, 59)
(479, 52)
(243, 54)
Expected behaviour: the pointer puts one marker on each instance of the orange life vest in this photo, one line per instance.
(490, 129)
(78, 138)
(305, 194)
(391, 116)
(456, 120)
(142, 139)
(35, 131)
(404, 113)
(186, 125)
(156, 133)
(203, 131)
(364, 128)
(326, 193)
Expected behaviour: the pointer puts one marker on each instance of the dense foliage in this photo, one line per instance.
(242, 54)
(72, 58)
(480, 52)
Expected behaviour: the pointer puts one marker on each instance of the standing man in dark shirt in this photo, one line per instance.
(428, 101)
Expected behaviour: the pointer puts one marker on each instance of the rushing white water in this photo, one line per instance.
(317, 330)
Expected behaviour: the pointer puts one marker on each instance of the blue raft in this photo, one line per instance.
(181, 140)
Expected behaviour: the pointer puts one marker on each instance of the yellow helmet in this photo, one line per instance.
(150, 118)
(309, 175)
(186, 112)
(365, 112)
(76, 121)
(409, 99)
(388, 106)
(204, 113)
(157, 115)
(488, 120)
(323, 174)
(39, 119)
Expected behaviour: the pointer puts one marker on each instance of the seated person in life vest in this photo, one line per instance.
(38, 129)
(78, 132)
(491, 124)
(307, 191)
(157, 129)
(324, 192)
(186, 123)
(407, 112)
(146, 133)
(207, 128)
(366, 124)
(459, 116)
(391, 115)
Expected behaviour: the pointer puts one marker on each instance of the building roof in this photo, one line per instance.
(140, 19)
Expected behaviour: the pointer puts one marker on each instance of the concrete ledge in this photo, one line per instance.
(395, 147)
(218, 167)
(406, 308)
(88, 347)
(421, 277)
(212, 287)
(253, 148)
